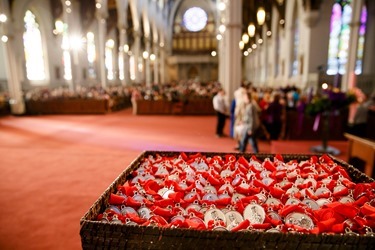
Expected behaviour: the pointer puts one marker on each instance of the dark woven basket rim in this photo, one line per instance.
(101, 203)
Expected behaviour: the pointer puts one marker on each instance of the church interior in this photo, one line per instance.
(87, 86)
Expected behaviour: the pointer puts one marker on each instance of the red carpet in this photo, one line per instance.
(53, 168)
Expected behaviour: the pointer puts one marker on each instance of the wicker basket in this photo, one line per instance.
(96, 234)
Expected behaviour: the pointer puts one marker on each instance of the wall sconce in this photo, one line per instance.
(245, 38)
(3, 18)
(126, 48)
(242, 45)
(4, 38)
(261, 15)
(110, 43)
(251, 30)
(222, 28)
(59, 27)
(145, 54)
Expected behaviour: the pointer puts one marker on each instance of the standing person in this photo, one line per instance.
(220, 106)
(238, 98)
(252, 122)
(275, 113)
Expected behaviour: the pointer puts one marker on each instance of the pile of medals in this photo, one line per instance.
(232, 193)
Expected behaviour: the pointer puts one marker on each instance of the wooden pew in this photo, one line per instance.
(364, 149)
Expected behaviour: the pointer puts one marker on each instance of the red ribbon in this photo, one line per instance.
(115, 199)
(193, 224)
(241, 226)
(164, 212)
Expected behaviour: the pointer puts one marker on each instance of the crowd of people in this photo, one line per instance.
(175, 92)
(170, 91)
(262, 112)
(81, 92)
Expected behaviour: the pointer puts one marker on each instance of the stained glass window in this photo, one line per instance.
(295, 48)
(334, 38)
(339, 37)
(361, 41)
(33, 47)
(195, 19)
(344, 39)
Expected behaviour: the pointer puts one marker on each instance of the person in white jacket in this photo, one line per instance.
(220, 106)
(251, 125)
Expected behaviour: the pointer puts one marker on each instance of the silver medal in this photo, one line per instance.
(214, 214)
(300, 219)
(254, 213)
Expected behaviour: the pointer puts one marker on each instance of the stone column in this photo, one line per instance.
(74, 32)
(162, 63)
(126, 59)
(147, 66)
(137, 53)
(348, 80)
(156, 63)
(232, 36)
(102, 34)
(17, 104)
(221, 57)
(122, 53)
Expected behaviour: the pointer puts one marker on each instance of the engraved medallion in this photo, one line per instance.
(236, 197)
(233, 218)
(178, 218)
(129, 222)
(214, 214)
(293, 190)
(210, 189)
(113, 209)
(191, 195)
(311, 204)
(256, 165)
(144, 213)
(127, 210)
(261, 198)
(346, 199)
(274, 216)
(224, 195)
(219, 228)
(292, 201)
(225, 173)
(338, 188)
(162, 191)
(322, 190)
(210, 197)
(226, 188)
(116, 220)
(300, 219)
(254, 213)
(321, 202)
(273, 201)
(267, 181)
